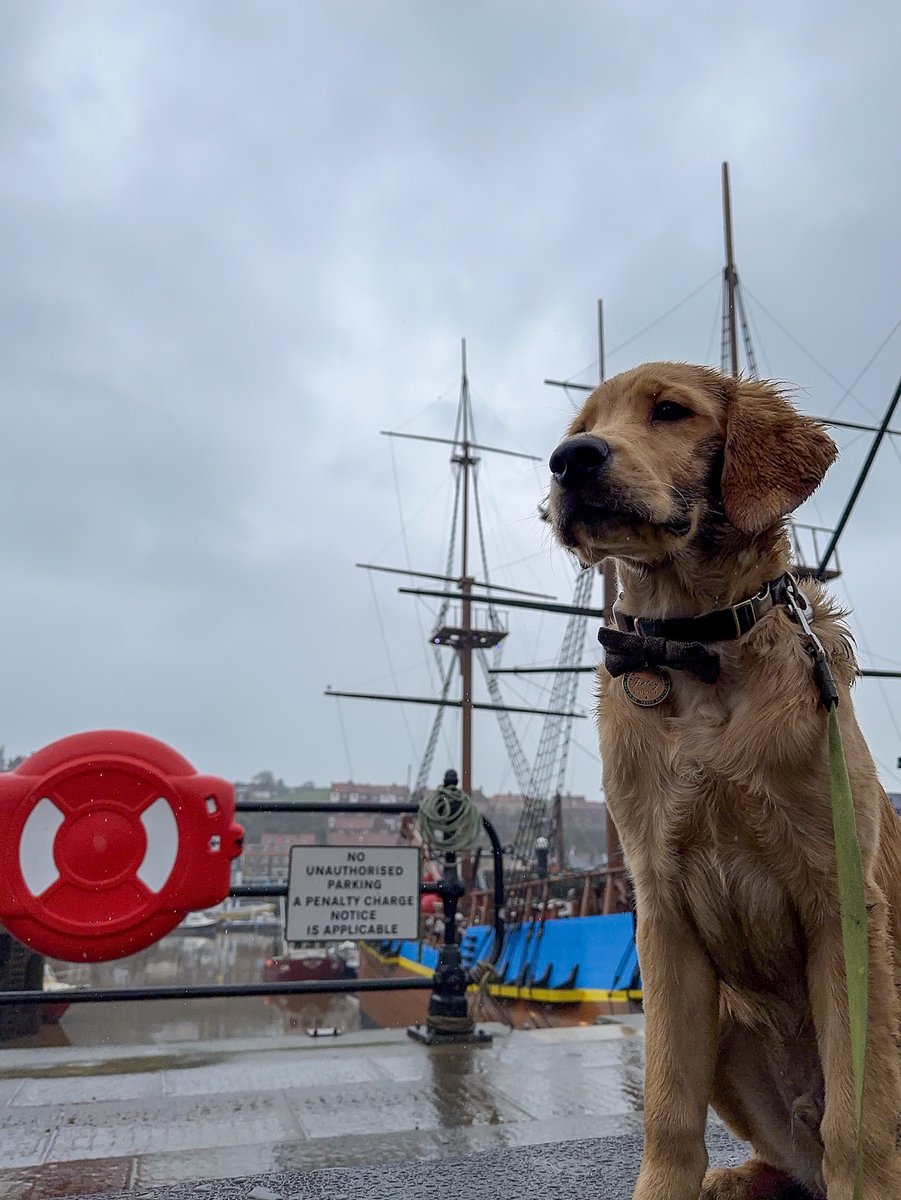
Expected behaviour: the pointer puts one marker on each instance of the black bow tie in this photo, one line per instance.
(633, 652)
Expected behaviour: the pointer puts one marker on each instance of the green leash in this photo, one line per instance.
(849, 868)
(852, 903)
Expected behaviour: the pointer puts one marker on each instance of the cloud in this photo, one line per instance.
(239, 241)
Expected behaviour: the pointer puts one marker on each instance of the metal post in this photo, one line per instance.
(448, 1018)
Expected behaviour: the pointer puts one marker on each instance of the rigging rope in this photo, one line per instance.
(863, 370)
(445, 672)
(746, 332)
(669, 312)
(717, 318)
(428, 755)
(518, 760)
(387, 646)
(515, 752)
(791, 337)
(752, 322)
(538, 817)
(635, 336)
(344, 738)
(724, 331)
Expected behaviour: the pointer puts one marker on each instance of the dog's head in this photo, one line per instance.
(667, 454)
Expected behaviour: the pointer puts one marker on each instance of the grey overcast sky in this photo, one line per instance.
(239, 239)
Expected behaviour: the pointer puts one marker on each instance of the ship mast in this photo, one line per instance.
(730, 276)
(470, 628)
(465, 639)
(735, 320)
(471, 633)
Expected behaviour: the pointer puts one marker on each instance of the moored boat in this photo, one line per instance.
(196, 924)
(311, 962)
(54, 1010)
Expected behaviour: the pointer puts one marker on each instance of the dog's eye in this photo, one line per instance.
(669, 410)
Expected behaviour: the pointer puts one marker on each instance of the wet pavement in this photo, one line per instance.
(231, 1099)
(601, 1169)
(82, 1120)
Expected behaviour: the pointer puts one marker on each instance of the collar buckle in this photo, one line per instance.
(746, 613)
(738, 611)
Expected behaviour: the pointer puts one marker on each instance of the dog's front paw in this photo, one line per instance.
(667, 1182)
(753, 1180)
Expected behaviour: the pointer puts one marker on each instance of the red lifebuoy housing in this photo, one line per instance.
(107, 839)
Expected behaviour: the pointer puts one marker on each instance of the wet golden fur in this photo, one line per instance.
(721, 799)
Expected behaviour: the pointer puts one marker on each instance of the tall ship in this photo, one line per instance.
(569, 953)
(569, 943)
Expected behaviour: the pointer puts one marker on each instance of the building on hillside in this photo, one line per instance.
(266, 861)
(368, 793)
(269, 836)
(504, 800)
(362, 829)
(251, 793)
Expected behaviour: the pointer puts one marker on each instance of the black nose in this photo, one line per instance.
(576, 459)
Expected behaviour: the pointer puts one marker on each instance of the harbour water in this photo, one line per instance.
(226, 957)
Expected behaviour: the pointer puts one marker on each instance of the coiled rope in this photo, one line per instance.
(449, 821)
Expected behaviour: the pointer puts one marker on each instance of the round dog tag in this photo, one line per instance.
(647, 688)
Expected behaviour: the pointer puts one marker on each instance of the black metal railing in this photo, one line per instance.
(448, 890)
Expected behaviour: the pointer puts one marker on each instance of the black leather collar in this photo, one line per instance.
(724, 625)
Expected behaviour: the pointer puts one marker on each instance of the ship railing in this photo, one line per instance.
(598, 891)
(563, 894)
(808, 549)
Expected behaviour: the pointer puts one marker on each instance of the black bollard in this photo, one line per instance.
(448, 1018)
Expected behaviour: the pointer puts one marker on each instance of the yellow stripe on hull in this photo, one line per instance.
(561, 995)
(506, 991)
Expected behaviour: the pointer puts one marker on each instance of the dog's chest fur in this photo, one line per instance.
(737, 902)
(698, 822)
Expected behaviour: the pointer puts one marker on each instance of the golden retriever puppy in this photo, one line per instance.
(716, 773)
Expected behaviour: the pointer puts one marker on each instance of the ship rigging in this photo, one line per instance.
(470, 622)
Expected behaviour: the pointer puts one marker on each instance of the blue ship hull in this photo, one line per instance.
(571, 960)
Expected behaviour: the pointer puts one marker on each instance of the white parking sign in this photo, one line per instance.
(341, 893)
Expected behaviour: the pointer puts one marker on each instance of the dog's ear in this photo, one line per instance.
(774, 457)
